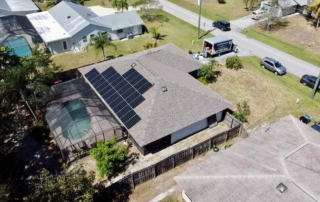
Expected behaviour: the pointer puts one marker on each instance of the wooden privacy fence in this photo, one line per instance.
(231, 121)
(177, 159)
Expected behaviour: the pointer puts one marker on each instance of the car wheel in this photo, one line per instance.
(276, 73)
(304, 84)
(263, 66)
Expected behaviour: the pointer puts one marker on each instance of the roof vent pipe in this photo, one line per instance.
(164, 89)
(281, 188)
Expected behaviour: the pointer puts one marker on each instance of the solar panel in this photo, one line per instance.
(118, 94)
(137, 81)
(136, 101)
(133, 121)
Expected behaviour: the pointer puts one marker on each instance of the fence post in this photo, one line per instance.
(231, 122)
(174, 163)
(193, 152)
(154, 171)
(133, 186)
(210, 144)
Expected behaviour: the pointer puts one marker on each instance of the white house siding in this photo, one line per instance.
(56, 47)
(77, 44)
(189, 130)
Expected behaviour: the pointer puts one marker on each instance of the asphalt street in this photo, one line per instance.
(294, 65)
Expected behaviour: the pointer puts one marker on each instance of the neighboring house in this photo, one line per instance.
(68, 26)
(17, 7)
(287, 7)
(278, 163)
(14, 25)
(154, 96)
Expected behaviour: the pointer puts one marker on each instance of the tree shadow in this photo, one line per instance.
(118, 192)
(25, 159)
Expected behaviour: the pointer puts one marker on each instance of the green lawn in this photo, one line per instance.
(175, 30)
(299, 39)
(270, 97)
(211, 9)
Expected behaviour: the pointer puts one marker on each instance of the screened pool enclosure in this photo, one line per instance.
(78, 119)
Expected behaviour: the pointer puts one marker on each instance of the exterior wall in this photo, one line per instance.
(56, 47)
(189, 130)
(77, 44)
(219, 116)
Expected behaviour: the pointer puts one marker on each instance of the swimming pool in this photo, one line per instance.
(79, 118)
(19, 46)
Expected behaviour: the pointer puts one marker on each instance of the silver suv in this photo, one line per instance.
(273, 66)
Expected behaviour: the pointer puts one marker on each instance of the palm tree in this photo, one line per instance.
(122, 5)
(101, 41)
(315, 7)
(156, 34)
(207, 71)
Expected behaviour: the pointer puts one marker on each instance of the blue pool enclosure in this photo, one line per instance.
(19, 46)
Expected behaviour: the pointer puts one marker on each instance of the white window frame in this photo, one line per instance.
(63, 45)
(85, 39)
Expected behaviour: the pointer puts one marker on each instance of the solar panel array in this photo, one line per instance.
(137, 80)
(121, 93)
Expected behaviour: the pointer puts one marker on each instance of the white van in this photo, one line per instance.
(258, 14)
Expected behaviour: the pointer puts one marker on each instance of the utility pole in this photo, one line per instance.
(199, 4)
(315, 88)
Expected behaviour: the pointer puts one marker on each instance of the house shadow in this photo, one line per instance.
(118, 192)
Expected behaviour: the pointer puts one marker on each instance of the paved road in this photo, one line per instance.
(294, 65)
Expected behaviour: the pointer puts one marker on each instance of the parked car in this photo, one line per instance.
(273, 65)
(221, 24)
(309, 81)
(258, 14)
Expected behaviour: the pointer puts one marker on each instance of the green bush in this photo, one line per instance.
(109, 156)
(40, 130)
(243, 110)
(234, 63)
(149, 45)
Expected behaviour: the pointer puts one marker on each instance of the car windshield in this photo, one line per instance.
(277, 64)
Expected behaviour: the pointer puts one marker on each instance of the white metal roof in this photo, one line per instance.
(19, 5)
(47, 27)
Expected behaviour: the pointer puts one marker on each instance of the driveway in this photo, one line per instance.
(294, 65)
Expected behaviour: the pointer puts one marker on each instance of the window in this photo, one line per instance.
(119, 31)
(269, 63)
(64, 44)
(84, 39)
(91, 36)
(278, 64)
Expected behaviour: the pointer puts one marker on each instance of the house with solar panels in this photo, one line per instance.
(70, 27)
(17, 7)
(153, 94)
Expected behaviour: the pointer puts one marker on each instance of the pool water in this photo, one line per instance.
(19, 46)
(81, 119)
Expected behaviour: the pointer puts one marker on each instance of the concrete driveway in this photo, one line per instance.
(294, 65)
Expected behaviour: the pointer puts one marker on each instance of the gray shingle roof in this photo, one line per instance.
(186, 101)
(120, 20)
(18, 5)
(287, 152)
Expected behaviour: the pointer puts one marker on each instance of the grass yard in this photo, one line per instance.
(211, 9)
(270, 97)
(175, 30)
(299, 39)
